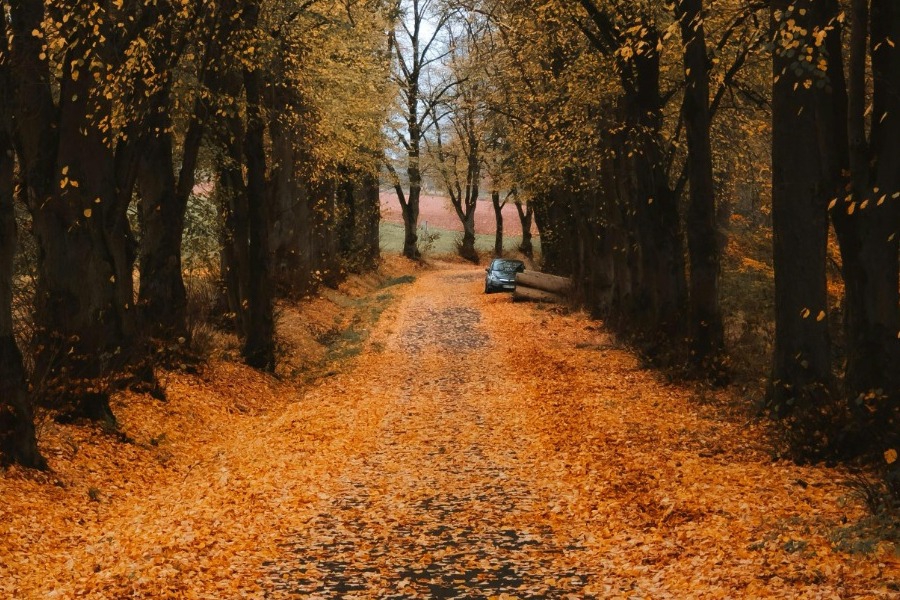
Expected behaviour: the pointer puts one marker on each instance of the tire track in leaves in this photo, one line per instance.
(440, 508)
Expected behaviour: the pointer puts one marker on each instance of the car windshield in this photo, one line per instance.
(508, 266)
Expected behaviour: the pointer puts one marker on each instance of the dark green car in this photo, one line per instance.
(501, 275)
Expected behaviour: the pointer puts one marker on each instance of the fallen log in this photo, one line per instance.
(527, 294)
(544, 282)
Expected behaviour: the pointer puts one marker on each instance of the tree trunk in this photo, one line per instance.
(629, 275)
(465, 202)
(545, 282)
(369, 210)
(246, 246)
(467, 249)
(291, 213)
(616, 244)
(661, 289)
(18, 443)
(17, 437)
(162, 295)
(231, 194)
(526, 215)
(410, 208)
(707, 334)
(410, 212)
(465, 210)
(84, 302)
(163, 203)
(866, 221)
(326, 244)
(360, 215)
(347, 216)
(413, 169)
(259, 344)
(498, 216)
(585, 270)
(553, 216)
(801, 121)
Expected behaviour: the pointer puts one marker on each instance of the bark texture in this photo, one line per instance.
(498, 218)
(164, 197)
(866, 213)
(84, 306)
(707, 333)
(526, 217)
(17, 436)
(259, 344)
(802, 128)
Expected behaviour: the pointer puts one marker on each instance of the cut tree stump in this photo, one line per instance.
(527, 294)
(544, 282)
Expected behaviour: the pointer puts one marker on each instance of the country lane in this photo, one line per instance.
(519, 452)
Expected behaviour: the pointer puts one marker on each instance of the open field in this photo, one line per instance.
(436, 214)
(445, 243)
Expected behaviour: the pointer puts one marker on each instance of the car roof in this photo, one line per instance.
(507, 260)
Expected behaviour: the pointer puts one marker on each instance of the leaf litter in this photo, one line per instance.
(474, 448)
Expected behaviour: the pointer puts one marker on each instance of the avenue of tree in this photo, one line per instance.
(621, 128)
(113, 115)
(625, 125)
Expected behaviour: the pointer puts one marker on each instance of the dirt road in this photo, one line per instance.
(442, 506)
(519, 454)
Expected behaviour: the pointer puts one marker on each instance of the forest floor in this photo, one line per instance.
(449, 444)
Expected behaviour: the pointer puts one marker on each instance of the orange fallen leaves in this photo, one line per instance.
(191, 506)
(241, 481)
(673, 498)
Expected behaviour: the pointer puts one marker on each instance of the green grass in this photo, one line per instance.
(349, 342)
(346, 344)
(397, 281)
(392, 235)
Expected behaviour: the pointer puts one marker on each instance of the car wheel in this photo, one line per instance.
(487, 288)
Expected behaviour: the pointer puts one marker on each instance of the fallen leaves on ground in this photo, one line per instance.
(475, 448)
